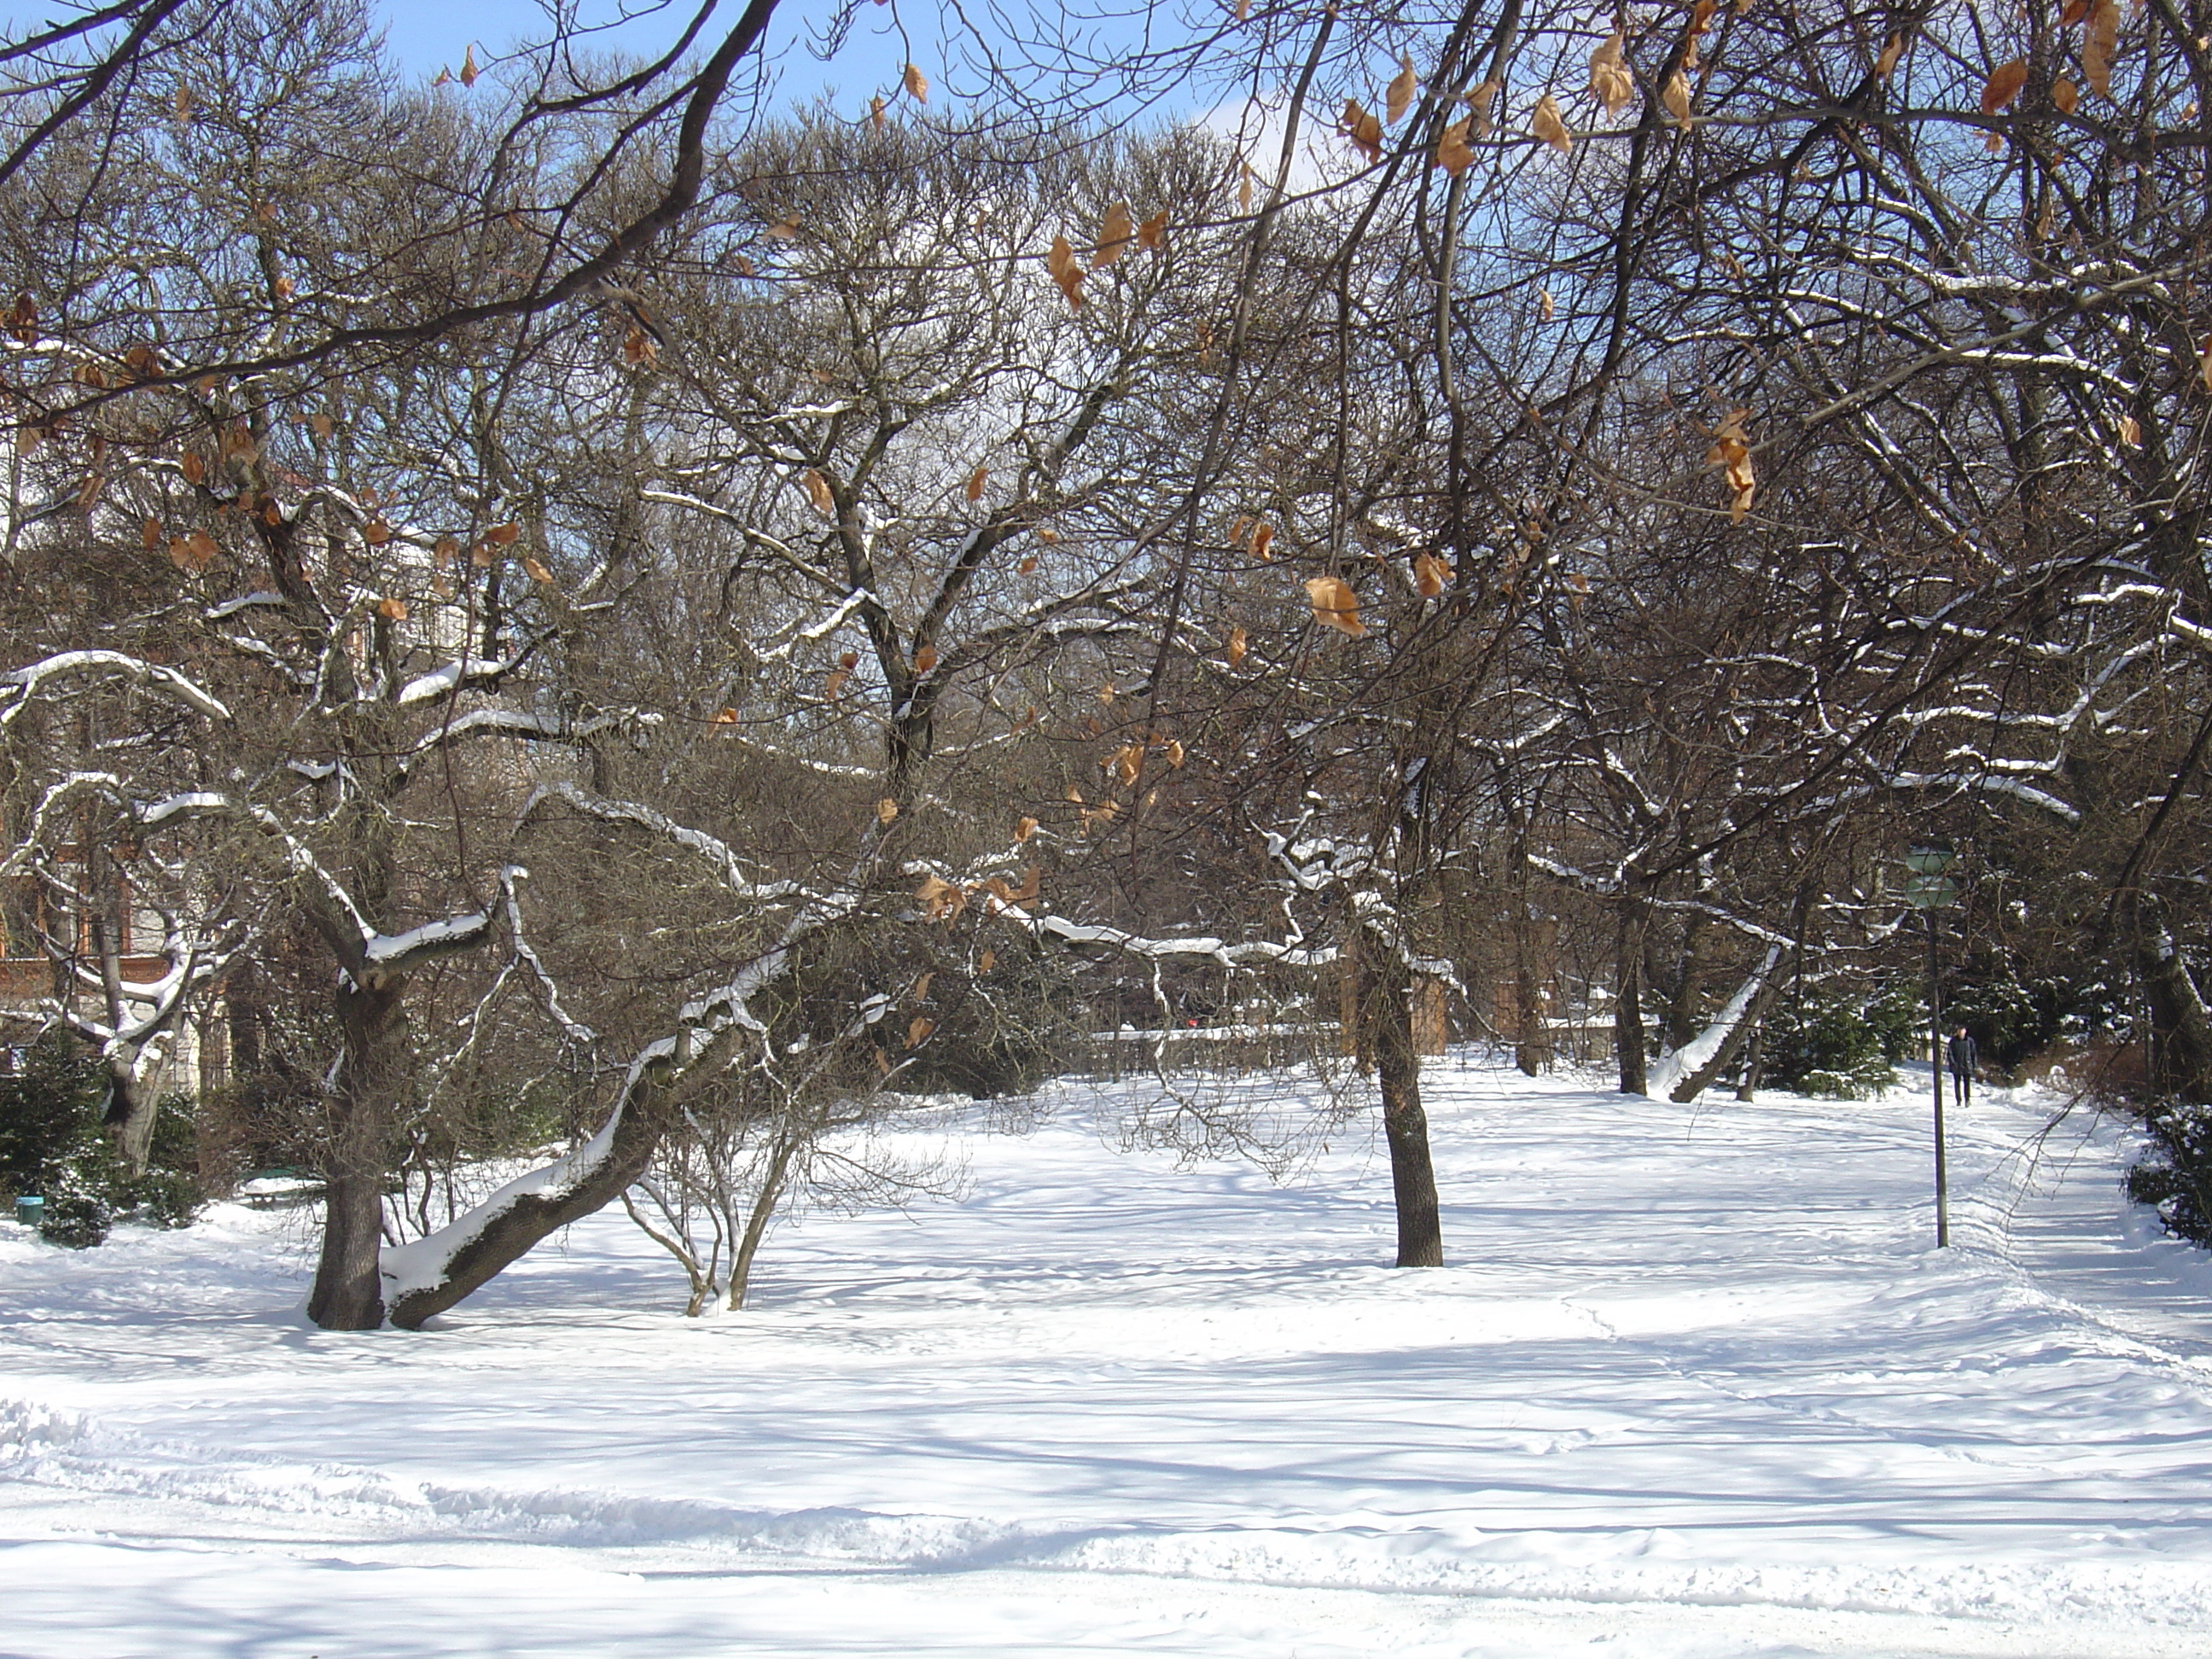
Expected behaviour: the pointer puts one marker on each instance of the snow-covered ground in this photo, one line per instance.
(1697, 1384)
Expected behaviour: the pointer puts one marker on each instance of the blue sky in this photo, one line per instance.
(426, 35)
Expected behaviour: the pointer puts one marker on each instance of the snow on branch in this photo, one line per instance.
(18, 686)
(714, 850)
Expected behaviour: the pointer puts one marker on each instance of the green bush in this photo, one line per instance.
(53, 1144)
(76, 1220)
(1841, 1046)
(2176, 1179)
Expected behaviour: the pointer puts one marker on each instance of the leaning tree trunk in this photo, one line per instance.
(432, 1274)
(1387, 1018)
(348, 1291)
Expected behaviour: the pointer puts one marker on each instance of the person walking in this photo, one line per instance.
(1962, 1054)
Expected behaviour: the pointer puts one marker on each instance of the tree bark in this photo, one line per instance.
(1628, 1001)
(1388, 1013)
(348, 1291)
(2180, 1050)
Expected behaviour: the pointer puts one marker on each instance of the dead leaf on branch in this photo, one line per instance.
(1067, 271)
(817, 491)
(1025, 829)
(886, 810)
(392, 609)
(1892, 49)
(469, 70)
(1237, 648)
(975, 482)
(1546, 123)
(2100, 43)
(1611, 79)
(918, 1030)
(917, 83)
(2065, 96)
(1362, 128)
(1113, 236)
(1153, 233)
(1398, 98)
(1454, 154)
(1263, 538)
(925, 659)
(1675, 96)
(1430, 574)
(2003, 85)
(1731, 451)
(1335, 605)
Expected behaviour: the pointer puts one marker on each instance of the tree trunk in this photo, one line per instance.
(432, 1274)
(1628, 1001)
(1388, 1021)
(2180, 1050)
(764, 1202)
(349, 1292)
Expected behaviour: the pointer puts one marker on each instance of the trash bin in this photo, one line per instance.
(30, 1211)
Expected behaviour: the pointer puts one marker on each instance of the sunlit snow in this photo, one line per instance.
(1695, 1384)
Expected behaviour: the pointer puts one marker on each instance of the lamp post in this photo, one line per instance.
(1928, 890)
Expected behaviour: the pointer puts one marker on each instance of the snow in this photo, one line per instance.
(1697, 1384)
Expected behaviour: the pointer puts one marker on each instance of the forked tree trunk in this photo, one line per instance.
(348, 1291)
(1387, 1013)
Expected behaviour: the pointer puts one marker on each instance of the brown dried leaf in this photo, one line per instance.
(182, 103)
(784, 230)
(2130, 432)
(1545, 123)
(1454, 154)
(538, 572)
(1153, 233)
(917, 1030)
(975, 482)
(2065, 96)
(834, 682)
(817, 491)
(1237, 646)
(1479, 102)
(925, 659)
(1067, 271)
(392, 609)
(1175, 753)
(1244, 189)
(1731, 451)
(321, 424)
(1891, 50)
(1362, 128)
(886, 810)
(1611, 79)
(876, 118)
(1431, 573)
(149, 535)
(503, 535)
(985, 962)
(2099, 44)
(1263, 538)
(1398, 98)
(917, 83)
(445, 552)
(1025, 829)
(469, 70)
(1113, 236)
(376, 532)
(1335, 605)
(1675, 96)
(2004, 84)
